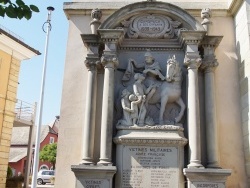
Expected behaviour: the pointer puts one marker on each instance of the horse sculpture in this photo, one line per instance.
(169, 91)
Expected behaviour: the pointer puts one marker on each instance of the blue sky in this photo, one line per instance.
(31, 70)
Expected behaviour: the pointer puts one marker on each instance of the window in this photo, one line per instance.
(51, 140)
(44, 167)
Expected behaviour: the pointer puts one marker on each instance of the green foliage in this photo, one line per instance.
(17, 10)
(9, 172)
(48, 153)
(17, 178)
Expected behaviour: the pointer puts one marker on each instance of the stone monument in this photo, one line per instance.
(150, 55)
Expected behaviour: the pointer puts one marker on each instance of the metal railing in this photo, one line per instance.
(25, 111)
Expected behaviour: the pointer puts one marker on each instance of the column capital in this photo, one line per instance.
(92, 63)
(209, 44)
(109, 60)
(192, 61)
(209, 63)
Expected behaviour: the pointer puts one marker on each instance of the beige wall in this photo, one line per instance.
(227, 100)
(73, 103)
(9, 71)
(242, 26)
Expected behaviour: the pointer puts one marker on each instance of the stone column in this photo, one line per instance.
(110, 38)
(91, 41)
(192, 61)
(209, 63)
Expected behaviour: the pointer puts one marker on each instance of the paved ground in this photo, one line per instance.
(47, 185)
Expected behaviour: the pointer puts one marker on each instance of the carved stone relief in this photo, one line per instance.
(152, 26)
(151, 92)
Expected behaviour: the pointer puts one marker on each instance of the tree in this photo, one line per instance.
(16, 10)
(48, 153)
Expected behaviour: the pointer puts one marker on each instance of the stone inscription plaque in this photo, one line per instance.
(150, 24)
(207, 185)
(150, 167)
(95, 183)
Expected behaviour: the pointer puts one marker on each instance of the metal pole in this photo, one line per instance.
(37, 143)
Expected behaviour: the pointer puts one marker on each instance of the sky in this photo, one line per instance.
(30, 75)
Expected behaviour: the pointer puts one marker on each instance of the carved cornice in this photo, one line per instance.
(235, 6)
(177, 127)
(90, 39)
(150, 142)
(111, 35)
(91, 42)
(191, 37)
(211, 41)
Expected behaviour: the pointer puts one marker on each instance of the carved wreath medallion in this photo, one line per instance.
(151, 26)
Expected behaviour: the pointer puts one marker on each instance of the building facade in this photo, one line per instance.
(19, 148)
(225, 102)
(12, 52)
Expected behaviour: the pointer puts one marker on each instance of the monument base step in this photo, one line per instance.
(93, 175)
(212, 178)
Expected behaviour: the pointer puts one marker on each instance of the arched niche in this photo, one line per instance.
(160, 8)
(163, 44)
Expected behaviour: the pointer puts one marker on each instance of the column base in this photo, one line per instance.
(213, 165)
(195, 164)
(93, 176)
(206, 177)
(87, 161)
(105, 162)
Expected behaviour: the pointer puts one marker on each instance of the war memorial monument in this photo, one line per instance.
(150, 96)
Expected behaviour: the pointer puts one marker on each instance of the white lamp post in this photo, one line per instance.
(37, 144)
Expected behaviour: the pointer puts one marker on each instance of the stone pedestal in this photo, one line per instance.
(88, 176)
(150, 156)
(212, 178)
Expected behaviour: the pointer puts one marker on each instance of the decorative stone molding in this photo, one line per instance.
(151, 142)
(177, 127)
(151, 26)
(111, 35)
(191, 37)
(151, 48)
(163, 8)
